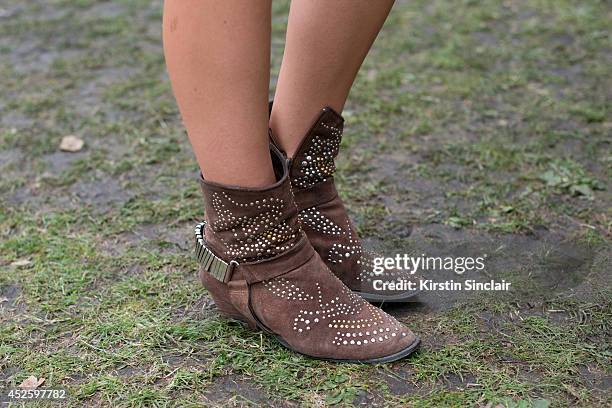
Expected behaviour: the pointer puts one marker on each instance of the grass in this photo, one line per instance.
(471, 121)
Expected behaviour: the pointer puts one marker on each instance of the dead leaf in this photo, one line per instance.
(3, 299)
(22, 262)
(71, 143)
(32, 383)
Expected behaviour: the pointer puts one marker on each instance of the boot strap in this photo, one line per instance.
(238, 290)
(240, 297)
(211, 263)
(252, 272)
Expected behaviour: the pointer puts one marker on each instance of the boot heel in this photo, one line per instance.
(220, 295)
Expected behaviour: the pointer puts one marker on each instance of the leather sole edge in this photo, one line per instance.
(378, 360)
(403, 297)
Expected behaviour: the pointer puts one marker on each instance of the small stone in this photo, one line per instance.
(71, 143)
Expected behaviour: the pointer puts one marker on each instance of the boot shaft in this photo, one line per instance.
(314, 160)
(248, 224)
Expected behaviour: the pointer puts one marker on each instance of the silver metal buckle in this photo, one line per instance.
(217, 267)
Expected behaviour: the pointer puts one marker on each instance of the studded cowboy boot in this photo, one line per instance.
(259, 268)
(325, 220)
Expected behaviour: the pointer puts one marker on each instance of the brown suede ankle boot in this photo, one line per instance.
(326, 222)
(260, 268)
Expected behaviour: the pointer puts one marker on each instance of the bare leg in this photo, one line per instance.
(327, 42)
(218, 58)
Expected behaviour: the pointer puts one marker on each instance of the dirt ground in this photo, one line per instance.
(475, 128)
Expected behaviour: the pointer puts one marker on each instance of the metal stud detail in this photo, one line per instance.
(344, 252)
(262, 235)
(317, 164)
(314, 219)
(341, 252)
(283, 288)
(354, 321)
